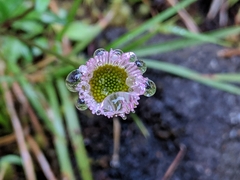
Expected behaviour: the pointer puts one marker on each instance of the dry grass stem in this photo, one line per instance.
(33, 117)
(8, 139)
(26, 158)
(103, 23)
(186, 18)
(41, 159)
(223, 14)
(214, 9)
(227, 53)
(175, 163)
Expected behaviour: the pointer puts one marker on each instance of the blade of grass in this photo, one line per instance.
(6, 79)
(98, 28)
(60, 138)
(70, 17)
(74, 131)
(148, 25)
(192, 75)
(185, 33)
(140, 125)
(229, 77)
(11, 159)
(32, 96)
(139, 41)
(182, 43)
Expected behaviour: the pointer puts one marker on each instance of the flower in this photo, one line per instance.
(110, 83)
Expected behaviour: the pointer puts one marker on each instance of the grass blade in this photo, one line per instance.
(187, 34)
(192, 75)
(70, 18)
(140, 125)
(74, 131)
(229, 77)
(60, 139)
(11, 159)
(149, 24)
(182, 43)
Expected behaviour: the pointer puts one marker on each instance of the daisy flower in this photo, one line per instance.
(110, 83)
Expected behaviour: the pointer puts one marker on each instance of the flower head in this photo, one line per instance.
(110, 83)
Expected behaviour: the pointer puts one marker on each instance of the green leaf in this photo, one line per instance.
(80, 31)
(10, 8)
(4, 13)
(14, 49)
(31, 27)
(42, 42)
(41, 5)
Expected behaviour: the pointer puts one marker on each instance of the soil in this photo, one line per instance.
(182, 112)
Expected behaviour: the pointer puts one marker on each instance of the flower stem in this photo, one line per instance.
(116, 142)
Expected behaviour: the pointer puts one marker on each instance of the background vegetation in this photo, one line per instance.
(43, 40)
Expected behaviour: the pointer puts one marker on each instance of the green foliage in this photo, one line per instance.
(37, 56)
(10, 9)
(80, 31)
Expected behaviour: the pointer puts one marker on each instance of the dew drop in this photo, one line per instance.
(80, 104)
(98, 112)
(73, 79)
(150, 88)
(141, 65)
(130, 81)
(99, 52)
(133, 57)
(118, 51)
(123, 116)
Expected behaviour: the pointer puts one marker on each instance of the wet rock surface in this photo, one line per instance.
(205, 120)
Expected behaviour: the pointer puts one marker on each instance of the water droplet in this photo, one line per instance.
(80, 104)
(98, 112)
(73, 79)
(99, 52)
(141, 65)
(150, 88)
(123, 116)
(118, 51)
(133, 57)
(118, 103)
(130, 81)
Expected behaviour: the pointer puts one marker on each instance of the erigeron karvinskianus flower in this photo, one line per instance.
(110, 83)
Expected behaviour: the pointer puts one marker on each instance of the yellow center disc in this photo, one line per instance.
(106, 80)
